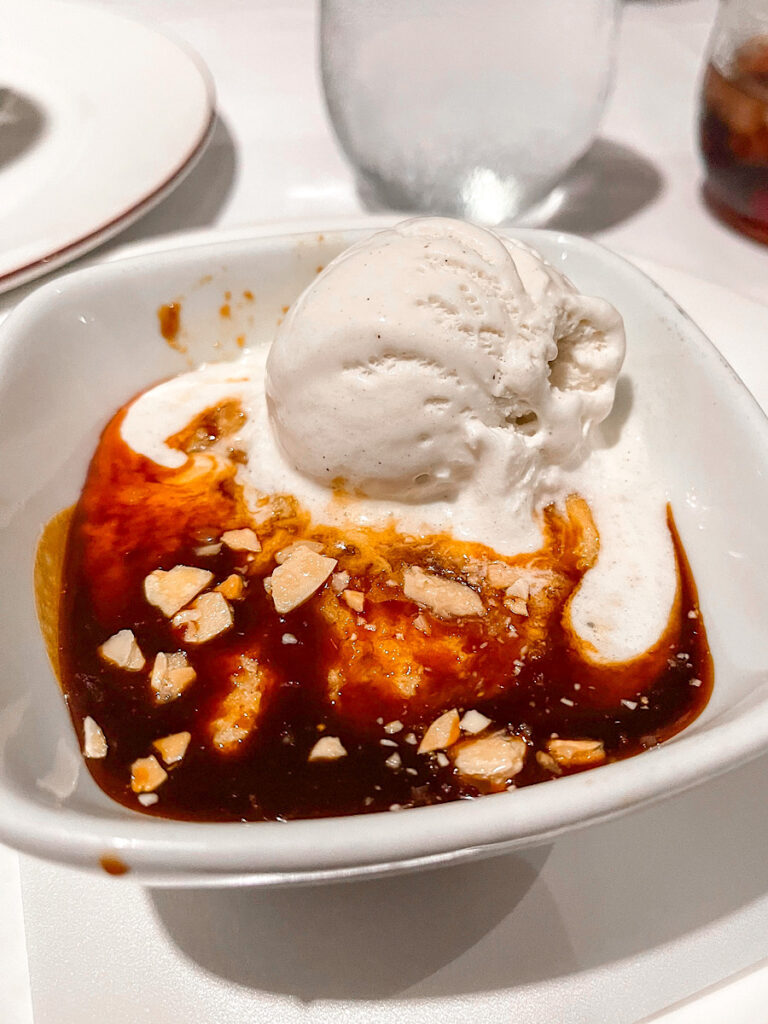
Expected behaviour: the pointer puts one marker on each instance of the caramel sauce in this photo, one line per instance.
(169, 318)
(279, 683)
(48, 580)
(113, 865)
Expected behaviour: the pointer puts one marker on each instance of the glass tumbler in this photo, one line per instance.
(734, 117)
(471, 108)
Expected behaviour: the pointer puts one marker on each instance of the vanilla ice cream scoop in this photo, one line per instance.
(437, 357)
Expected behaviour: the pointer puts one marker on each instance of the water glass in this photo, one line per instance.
(472, 108)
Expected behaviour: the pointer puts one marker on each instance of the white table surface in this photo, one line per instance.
(273, 158)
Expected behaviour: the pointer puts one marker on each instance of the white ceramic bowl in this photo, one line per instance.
(79, 347)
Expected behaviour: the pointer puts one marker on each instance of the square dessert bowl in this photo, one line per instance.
(83, 345)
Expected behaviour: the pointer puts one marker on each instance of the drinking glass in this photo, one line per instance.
(472, 108)
(734, 117)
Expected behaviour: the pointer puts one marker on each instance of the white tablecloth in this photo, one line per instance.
(273, 158)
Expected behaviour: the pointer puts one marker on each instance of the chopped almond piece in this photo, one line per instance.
(339, 582)
(286, 552)
(422, 624)
(241, 540)
(327, 748)
(572, 753)
(500, 575)
(207, 550)
(298, 578)
(474, 722)
(490, 762)
(123, 651)
(517, 578)
(355, 599)
(173, 748)
(170, 591)
(445, 598)
(171, 675)
(207, 617)
(94, 740)
(547, 762)
(147, 774)
(443, 732)
(519, 588)
(232, 587)
(516, 604)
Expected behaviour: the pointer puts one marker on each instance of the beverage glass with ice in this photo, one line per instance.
(734, 117)
(475, 108)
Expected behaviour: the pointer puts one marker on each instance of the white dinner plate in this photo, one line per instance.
(100, 117)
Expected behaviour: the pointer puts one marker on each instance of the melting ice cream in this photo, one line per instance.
(453, 380)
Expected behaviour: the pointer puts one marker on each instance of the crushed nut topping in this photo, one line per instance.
(547, 762)
(311, 545)
(94, 740)
(208, 550)
(172, 748)
(355, 599)
(123, 651)
(299, 577)
(207, 617)
(171, 675)
(147, 774)
(500, 575)
(516, 604)
(490, 762)
(576, 752)
(339, 582)
(474, 722)
(233, 587)
(405, 639)
(443, 732)
(327, 748)
(241, 540)
(445, 598)
(519, 588)
(170, 591)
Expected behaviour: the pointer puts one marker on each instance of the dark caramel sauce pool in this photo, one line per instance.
(134, 517)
